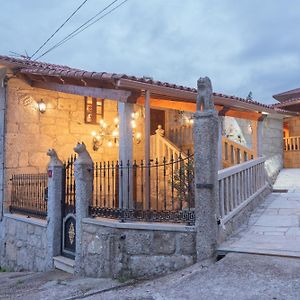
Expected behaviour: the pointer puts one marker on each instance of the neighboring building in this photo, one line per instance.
(290, 101)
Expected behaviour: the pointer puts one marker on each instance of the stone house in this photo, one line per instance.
(290, 101)
(138, 134)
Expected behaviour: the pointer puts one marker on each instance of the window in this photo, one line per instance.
(93, 110)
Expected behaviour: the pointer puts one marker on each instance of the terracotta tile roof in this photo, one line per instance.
(27, 66)
(286, 102)
(285, 96)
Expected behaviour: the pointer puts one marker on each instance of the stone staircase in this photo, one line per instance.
(64, 264)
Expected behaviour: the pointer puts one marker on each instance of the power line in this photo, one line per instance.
(59, 28)
(66, 38)
(84, 26)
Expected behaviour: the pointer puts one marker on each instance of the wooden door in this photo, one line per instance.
(157, 117)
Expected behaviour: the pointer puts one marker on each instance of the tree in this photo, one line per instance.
(249, 97)
(184, 183)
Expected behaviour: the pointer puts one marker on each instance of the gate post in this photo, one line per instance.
(206, 132)
(55, 180)
(84, 176)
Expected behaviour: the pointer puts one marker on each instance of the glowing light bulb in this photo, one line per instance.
(115, 133)
(138, 135)
(133, 124)
(94, 133)
(116, 120)
(41, 106)
(109, 143)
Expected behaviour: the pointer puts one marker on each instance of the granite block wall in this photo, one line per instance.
(272, 146)
(23, 244)
(134, 253)
(29, 133)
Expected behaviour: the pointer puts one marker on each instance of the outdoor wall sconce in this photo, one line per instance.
(41, 106)
(250, 129)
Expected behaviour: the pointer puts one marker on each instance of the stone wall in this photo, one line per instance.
(23, 243)
(293, 126)
(272, 140)
(29, 133)
(128, 250)
(272, 145)
(292, 158)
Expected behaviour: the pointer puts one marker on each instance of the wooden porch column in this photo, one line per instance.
(125, 154)
(147, 148)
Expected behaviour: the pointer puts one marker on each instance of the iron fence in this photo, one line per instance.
(156, 191)
(29, 194)
(68, 205)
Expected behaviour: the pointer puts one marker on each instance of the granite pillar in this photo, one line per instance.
(84, 176)
(55, 185)
(206, 135)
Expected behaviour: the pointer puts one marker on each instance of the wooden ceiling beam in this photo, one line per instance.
(191, 107)
(223, 111)
(168, 104)
(112, 94)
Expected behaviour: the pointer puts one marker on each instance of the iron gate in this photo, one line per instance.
(69, 210)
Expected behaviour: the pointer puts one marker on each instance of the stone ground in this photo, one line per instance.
(238, 276)
(274, 228)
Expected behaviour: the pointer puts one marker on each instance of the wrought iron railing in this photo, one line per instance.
(68, 205)
(29, 194)
(154, 191)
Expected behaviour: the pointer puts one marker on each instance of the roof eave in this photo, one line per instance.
(190, 96)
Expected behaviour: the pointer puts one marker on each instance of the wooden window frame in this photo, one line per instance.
(94, 110)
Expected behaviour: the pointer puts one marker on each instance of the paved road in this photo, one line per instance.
(49, 285)
(235, 277)
(274, 228)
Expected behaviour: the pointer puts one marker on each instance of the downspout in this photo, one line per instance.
(4, 84)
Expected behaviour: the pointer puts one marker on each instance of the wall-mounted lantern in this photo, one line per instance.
(41, 106)
(250, 129)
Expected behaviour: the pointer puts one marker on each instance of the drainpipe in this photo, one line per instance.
(4, 85)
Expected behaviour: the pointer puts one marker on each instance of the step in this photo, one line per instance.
(64, 264)
(284, 253)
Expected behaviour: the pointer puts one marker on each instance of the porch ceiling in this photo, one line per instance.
(191, 107)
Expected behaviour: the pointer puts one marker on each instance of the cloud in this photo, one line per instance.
(242, 45)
